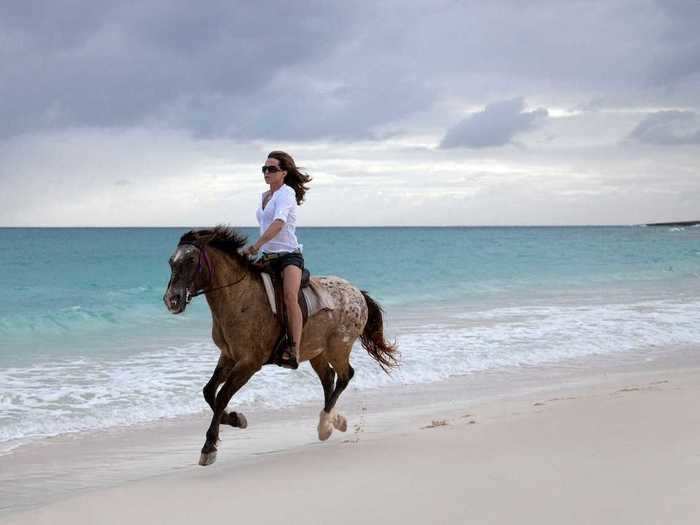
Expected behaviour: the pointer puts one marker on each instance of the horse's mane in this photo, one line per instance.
(224, 238)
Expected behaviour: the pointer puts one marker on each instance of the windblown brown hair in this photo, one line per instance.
(295, 178)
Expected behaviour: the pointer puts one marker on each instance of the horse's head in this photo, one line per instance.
(187, 266)
(192, 265)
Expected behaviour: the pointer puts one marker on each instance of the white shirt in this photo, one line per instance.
(282, 205)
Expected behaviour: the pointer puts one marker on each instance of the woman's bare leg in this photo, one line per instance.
(292, 282)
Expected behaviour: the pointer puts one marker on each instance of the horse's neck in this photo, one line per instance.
(232, 285)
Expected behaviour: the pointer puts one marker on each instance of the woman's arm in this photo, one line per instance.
(269, 234)
(284, 204)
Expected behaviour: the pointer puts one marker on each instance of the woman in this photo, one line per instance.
(277, 215)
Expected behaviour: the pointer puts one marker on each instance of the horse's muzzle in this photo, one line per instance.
(175, 302)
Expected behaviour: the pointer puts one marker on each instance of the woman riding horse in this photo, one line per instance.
(244, 328)
(277, 217)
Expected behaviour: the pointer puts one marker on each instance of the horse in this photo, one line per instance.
(209, 262)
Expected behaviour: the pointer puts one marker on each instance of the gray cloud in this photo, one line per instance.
(323, 70)
(82, 65)
(676, 56)
(668, 128)
(496, 125)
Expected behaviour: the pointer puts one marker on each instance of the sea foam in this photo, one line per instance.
(74, 395)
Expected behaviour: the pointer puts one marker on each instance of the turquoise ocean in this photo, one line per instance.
(87, 344)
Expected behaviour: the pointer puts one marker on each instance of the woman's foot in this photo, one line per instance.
(290, 357)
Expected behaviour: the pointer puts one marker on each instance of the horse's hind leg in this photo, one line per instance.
(327, 376)
(235, 419)
(328, 418)
(345, 374)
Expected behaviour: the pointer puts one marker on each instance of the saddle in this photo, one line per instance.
(312, 299)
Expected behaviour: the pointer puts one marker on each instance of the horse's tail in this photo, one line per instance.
(372, 338)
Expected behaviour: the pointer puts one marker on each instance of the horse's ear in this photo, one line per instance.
(187, 237)
(203, 236)
(196, 237)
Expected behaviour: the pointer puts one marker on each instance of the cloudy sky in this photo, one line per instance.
(405, 112)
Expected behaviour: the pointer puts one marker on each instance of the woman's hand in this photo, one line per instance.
(251, 250)
(269, 234)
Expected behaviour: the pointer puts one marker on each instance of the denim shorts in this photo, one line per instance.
(278, 261)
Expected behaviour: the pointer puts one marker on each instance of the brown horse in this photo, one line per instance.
(245, 330)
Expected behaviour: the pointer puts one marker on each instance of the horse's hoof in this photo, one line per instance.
(241, 421)
(325, 426)
(207, 458)
(340, 423)
(324, 432)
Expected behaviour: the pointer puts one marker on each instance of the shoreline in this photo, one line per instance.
(41, 479)
(96, 394)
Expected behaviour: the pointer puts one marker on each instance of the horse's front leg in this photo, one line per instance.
(239, 376)
(235, 419)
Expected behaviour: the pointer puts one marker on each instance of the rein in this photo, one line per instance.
(210, 267)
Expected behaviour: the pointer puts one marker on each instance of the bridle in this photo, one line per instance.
(210, 269)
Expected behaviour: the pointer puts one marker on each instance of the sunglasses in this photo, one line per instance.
(270, 169)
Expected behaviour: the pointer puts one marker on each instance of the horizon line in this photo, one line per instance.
(351, 226)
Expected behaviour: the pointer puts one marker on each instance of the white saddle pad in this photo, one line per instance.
(315, 295)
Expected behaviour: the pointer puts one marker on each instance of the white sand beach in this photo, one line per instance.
(605, 443)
